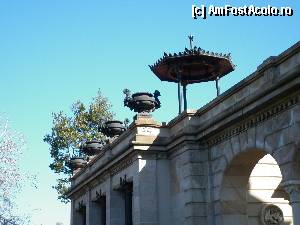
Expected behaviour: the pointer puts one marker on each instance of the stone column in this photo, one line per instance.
(93, 211)
(194, 184)
(78, 214)
(115, 207)
(76, 217)
(293, 189)
(145, 207)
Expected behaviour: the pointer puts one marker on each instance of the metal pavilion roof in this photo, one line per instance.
(194, 65)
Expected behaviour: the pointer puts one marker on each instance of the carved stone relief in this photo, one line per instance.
(271, 215)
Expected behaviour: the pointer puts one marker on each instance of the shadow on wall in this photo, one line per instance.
(250, 192)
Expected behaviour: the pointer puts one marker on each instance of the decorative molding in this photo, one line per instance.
(292, 187)
(99, 194)
(255, 120)
(271, 215)
(102, 177)
(81, 204)
(122, 164)
(123, 181)
(113, 169)
(294, 193)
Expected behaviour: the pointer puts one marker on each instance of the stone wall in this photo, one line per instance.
(219, 165)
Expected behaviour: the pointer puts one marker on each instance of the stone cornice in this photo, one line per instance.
(262, 114)
(256, 102)
(114, 167)
(254, 120)
(107, 170)
(121, 165)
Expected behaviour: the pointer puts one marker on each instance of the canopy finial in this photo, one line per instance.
(191, 37)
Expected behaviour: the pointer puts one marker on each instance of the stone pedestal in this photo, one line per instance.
(144, 119)
(293, 189)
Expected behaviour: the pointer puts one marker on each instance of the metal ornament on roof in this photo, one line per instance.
(76, 162)
(92, 147)
(142, 102)
(113, 128)
(193, 65)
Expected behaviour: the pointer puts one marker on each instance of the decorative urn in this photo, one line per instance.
(91, 147)
(76, 162)
(113, 128)
(142, 102)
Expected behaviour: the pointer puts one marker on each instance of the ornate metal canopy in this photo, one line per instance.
(193, 65)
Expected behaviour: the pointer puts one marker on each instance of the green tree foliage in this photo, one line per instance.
(69, 132)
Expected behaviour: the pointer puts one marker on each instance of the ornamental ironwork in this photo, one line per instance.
(193, 65)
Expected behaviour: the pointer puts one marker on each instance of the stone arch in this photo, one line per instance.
(242, 196)
(288, 158)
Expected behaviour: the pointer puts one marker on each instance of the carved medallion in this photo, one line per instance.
(272, 215)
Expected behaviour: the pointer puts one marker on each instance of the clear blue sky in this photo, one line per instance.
(55, 52)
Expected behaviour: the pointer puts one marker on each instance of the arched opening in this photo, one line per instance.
(250, 193)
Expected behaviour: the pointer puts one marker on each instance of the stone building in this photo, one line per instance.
(235, 161)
